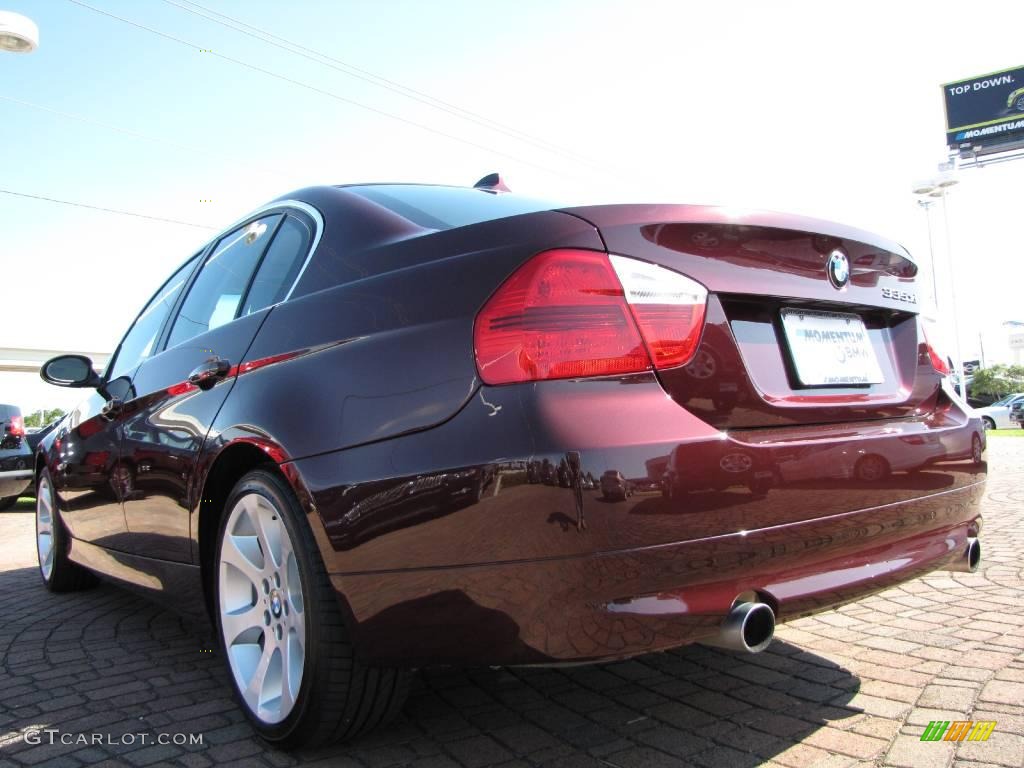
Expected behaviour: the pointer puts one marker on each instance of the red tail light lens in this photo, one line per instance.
(668, 307)
(938, 361)
(17, 426)
(564, 314)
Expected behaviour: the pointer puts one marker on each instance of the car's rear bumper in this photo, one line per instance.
(477, 542)
(631, 602)
(15, 482)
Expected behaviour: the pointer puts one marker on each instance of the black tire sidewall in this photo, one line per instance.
(275, 490)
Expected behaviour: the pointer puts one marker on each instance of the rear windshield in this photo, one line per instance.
(449, 207)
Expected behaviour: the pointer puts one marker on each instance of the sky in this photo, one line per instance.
(830, 110)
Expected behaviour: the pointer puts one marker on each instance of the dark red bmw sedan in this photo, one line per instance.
(376, 427)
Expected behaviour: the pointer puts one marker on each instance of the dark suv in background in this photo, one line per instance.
(1017, 413)
(15, 457)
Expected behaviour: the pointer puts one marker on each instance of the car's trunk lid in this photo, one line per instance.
(768, 277)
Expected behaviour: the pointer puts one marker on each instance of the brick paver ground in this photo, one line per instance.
(855, 686)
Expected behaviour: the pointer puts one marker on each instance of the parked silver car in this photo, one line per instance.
(997, 415)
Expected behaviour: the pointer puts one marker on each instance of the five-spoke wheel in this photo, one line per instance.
(293, 665)
(262, 612)
(44, 526)
(59, 573)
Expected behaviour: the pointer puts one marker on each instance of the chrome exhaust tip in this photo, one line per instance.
(970, 559)
(747, 627)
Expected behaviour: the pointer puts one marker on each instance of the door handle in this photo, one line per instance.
(209, 373)
(112, 408)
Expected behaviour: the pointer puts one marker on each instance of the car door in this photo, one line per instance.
(85, 470)
(178, 392)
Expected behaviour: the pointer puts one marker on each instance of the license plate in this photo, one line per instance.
(830, 348)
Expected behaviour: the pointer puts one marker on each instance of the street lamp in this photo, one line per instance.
(939, 188)
(18, 34)
(926, 206)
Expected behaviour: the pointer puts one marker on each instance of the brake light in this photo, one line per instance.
(668, 308)
(938, 361)
(16, 427)
(565, 314)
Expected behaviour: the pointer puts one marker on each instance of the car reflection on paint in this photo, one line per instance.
(614, 486)
(389, 506)
(691, 468)
(865, 461)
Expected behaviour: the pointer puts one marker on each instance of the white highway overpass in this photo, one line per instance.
(23, 359)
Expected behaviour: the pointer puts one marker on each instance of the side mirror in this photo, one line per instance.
(69, 371)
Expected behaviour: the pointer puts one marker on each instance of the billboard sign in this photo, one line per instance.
(985, 110)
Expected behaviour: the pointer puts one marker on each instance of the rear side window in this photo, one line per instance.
(217, 291)
(280, 265)
(138, 343)
(449, 207)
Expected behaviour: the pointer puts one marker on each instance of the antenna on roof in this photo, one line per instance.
(492, 182)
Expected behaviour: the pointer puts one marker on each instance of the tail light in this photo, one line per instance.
(914, 439)
(938, 361)
(573, 313)
(668, 308)
(17, 427)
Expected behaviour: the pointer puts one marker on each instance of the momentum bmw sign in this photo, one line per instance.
(986, 110)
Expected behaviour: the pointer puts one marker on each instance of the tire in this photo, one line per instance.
(59, 574)
(335, 697)
(976, 450)
(988, 422)
(1020, 104)
(7, 502)
(871, 468)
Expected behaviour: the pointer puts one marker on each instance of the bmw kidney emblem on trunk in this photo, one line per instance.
(838, 268)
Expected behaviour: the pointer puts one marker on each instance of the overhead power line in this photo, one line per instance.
(374, 79)
(107, 210)
(155, 139)
(322, 91)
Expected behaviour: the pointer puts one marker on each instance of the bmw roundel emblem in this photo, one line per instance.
(838, 268)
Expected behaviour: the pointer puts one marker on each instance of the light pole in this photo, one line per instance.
(940, 187)
(18, 34)
(926, 206)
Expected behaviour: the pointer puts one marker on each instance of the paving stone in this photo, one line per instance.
(478, 751)
(911, 752)
(1001, 749)
(846, 743)
(946, 697)
(1002, 692)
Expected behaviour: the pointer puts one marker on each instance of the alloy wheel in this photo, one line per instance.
(872, 468)
(703, 366)
(44, 527)
(262, 609)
